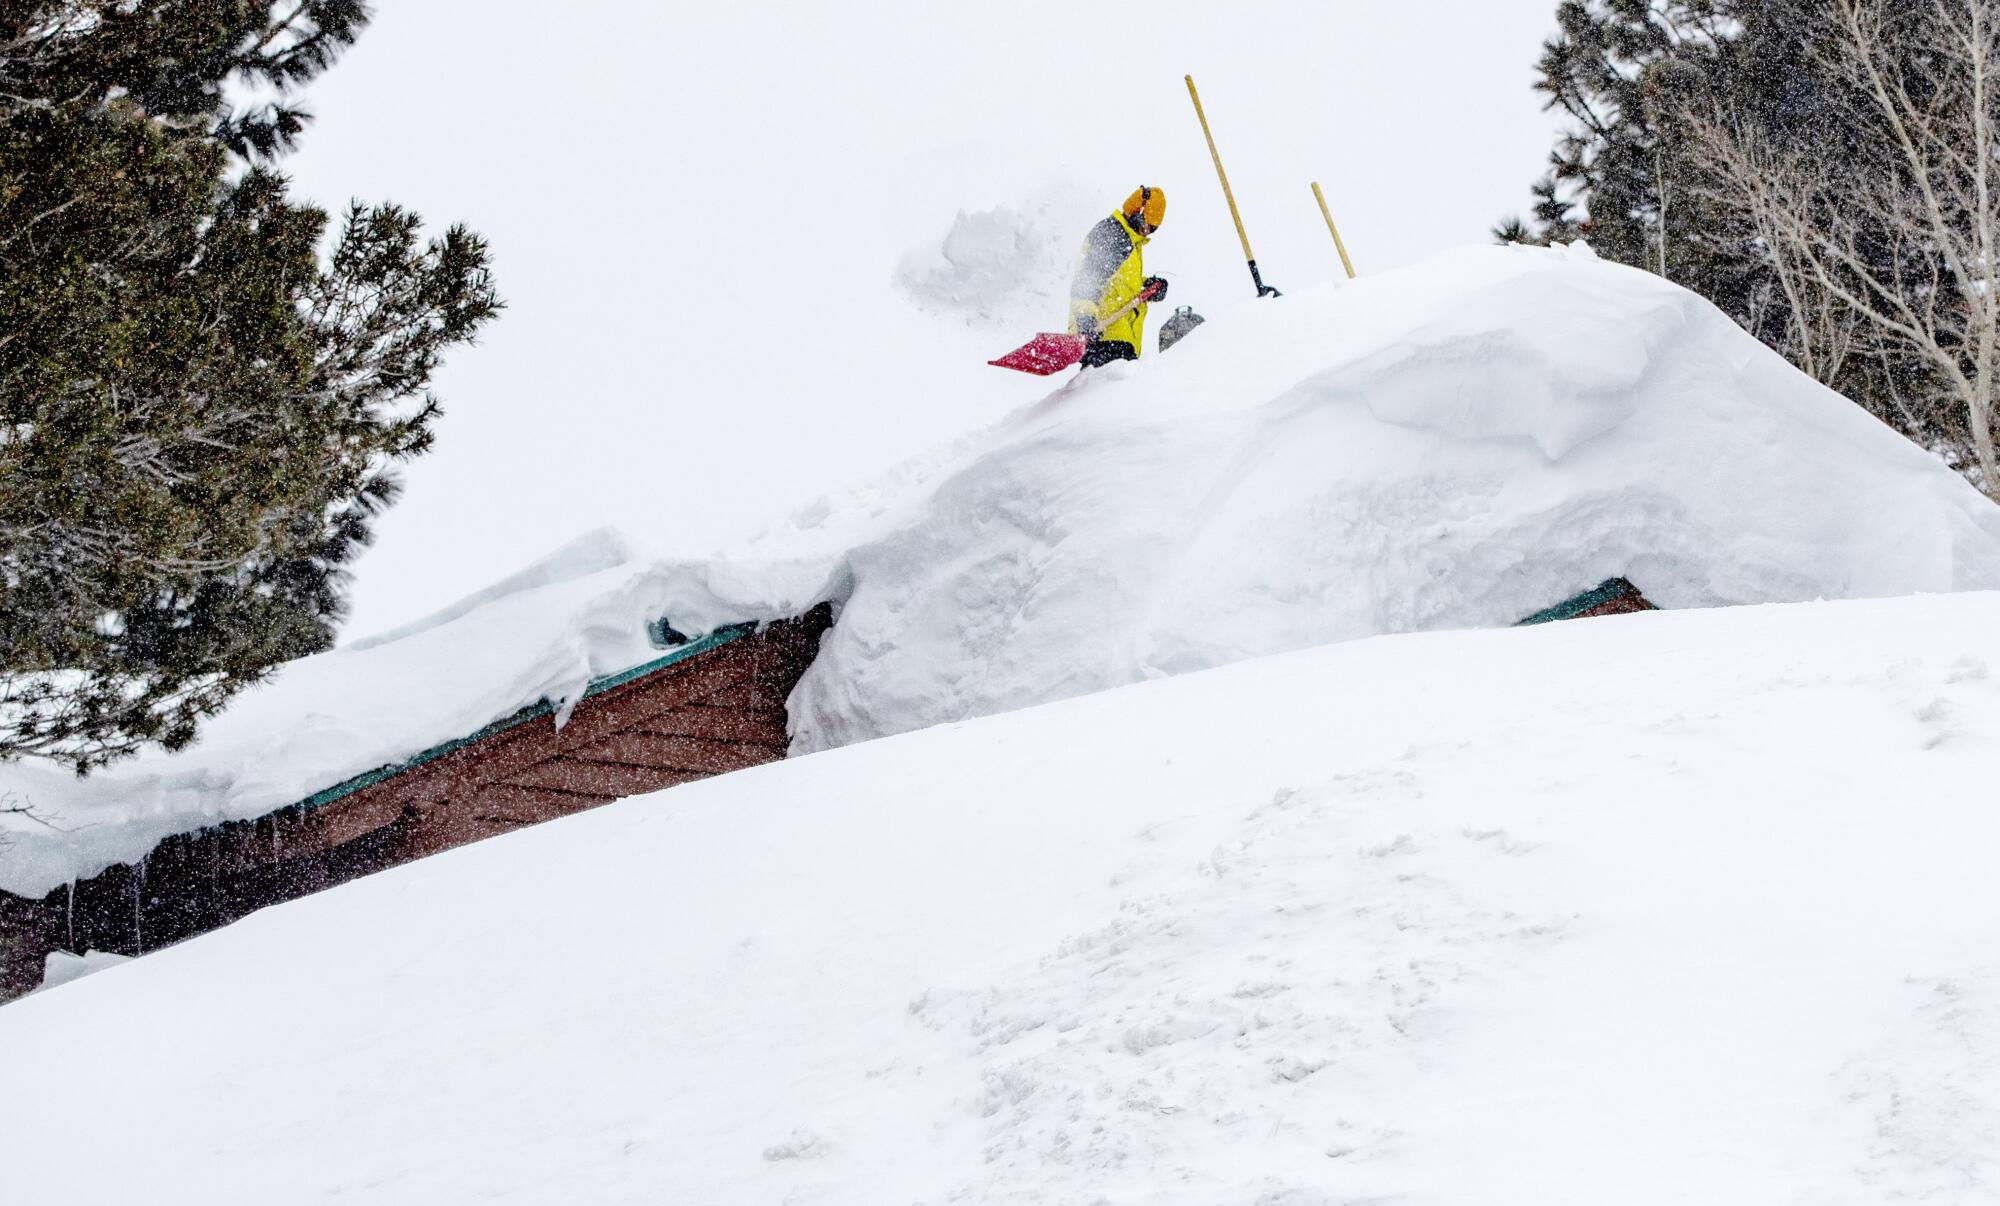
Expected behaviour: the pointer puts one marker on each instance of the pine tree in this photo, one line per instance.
(1634, 172)
(198, 418)
(1618, 162)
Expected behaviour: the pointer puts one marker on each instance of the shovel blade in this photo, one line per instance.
(1043, 355)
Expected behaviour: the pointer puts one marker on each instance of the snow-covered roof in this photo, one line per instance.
(573, 623)
(1455, 445)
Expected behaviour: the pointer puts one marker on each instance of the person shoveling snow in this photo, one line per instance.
(1107, 296)
(1111, 275)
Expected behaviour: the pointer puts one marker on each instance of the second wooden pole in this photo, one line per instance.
(1339, 246)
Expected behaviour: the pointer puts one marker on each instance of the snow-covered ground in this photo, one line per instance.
(1679, 907)
(1454, 445)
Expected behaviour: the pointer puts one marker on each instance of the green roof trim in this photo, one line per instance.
(1607, 591)
(534, 711)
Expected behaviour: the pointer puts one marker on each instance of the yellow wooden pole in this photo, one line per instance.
(1249, 255)
(1332, 230)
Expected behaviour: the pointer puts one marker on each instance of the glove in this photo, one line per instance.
(1086, 326)
(1155, 289)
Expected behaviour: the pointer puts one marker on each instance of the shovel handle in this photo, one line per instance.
(1145, 295)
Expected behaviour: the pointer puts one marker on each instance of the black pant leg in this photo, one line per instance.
(1104, 351)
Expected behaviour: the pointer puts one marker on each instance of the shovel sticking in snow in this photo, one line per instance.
(1256, 278)
(1050, 353)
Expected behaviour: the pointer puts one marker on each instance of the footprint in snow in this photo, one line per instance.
(1968, 669)
(1501, 840)
(1935, 716)
(800, 1145)
(1402, 843)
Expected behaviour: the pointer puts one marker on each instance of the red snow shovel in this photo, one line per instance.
(1049, 353)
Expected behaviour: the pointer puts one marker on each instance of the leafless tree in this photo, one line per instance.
(12, 806)
(1888, 247)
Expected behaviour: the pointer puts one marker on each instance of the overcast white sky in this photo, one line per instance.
(696, 211)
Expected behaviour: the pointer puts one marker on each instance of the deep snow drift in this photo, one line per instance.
(1453, 445)
(1678, 907)
(1456, 445)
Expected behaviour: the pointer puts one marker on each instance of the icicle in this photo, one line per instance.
(139, 907)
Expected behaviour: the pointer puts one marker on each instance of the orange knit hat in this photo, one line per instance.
(1147, 200)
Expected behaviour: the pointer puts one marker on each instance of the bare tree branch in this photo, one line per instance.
(1894, 252)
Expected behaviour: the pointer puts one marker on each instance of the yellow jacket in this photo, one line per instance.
(1110, 273)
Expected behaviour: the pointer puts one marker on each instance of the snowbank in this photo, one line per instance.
(1456, 445)
(1677, 907)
